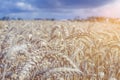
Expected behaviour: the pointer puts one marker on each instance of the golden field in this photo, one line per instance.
(59, 50)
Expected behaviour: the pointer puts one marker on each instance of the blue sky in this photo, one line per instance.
(59, 9)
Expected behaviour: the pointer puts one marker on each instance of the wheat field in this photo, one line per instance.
(59, 50)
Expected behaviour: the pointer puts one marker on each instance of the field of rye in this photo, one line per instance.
(59, 50)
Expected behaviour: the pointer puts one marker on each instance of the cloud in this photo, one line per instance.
(83, 3)
(59, 8)
(108, 10)
(25, 6)
(45, 15)
(68, 3)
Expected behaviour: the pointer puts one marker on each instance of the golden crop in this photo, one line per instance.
(59, 50)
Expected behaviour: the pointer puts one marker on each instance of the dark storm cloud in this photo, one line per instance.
(53, 5)
(68, 3)
(84, 3)
(47, 6)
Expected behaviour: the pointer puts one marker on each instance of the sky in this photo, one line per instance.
(59, 9)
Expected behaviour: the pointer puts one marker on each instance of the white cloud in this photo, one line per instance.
(25, 6)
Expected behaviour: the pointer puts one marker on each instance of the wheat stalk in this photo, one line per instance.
(61, 71)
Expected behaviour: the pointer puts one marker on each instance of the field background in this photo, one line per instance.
(59, 50)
